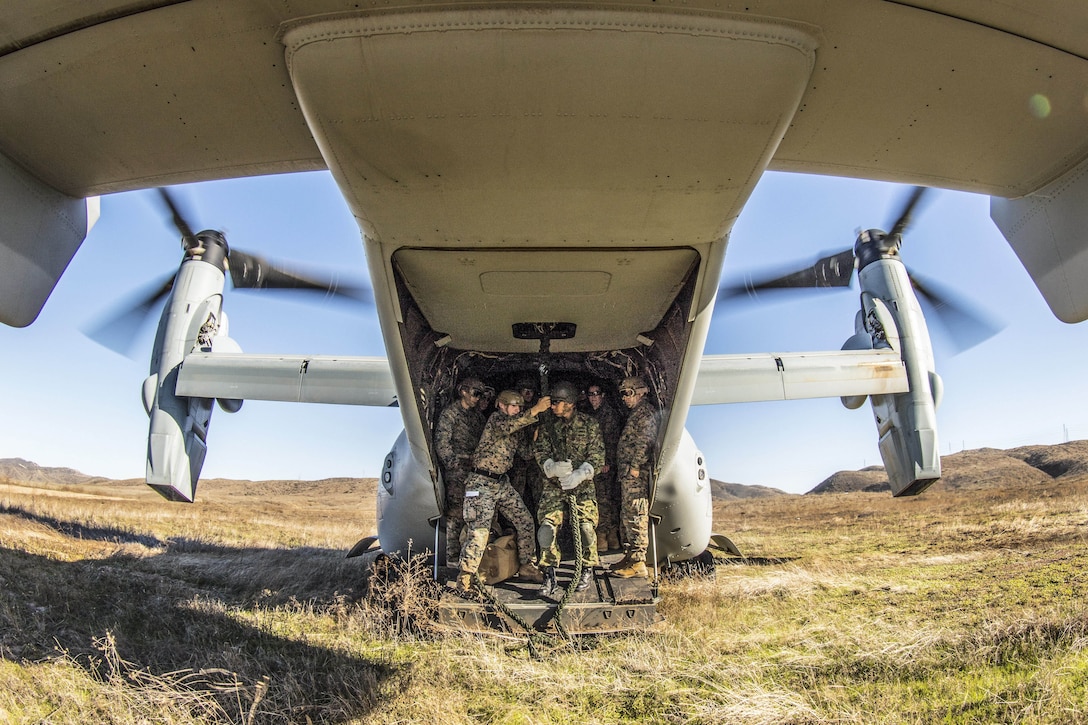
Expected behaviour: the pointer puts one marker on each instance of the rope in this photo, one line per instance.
(576, 534)
(533, 637)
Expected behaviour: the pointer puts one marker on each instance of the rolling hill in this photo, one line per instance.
(970, 469)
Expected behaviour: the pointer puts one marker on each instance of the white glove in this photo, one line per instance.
(554, 469)
(586, 471)
(583, 473)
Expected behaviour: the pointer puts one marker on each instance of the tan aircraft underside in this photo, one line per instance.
(99, 96)
(640, 125)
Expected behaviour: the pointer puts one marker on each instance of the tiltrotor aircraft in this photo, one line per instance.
(543, 188)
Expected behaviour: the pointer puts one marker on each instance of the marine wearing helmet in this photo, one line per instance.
(564, 392)
(510, 397)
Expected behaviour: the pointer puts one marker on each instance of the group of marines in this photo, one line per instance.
(521, 455)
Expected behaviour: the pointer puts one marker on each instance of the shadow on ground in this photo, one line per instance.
(189, 616)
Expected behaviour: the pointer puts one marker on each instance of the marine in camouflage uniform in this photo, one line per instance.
(525, 475)
(488, 489)
(633, 470)
(456, 436)
(569, 449)
(608, 495)
(487, 398)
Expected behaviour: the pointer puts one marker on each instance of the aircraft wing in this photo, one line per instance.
(440, 129)
(288, 378)
(798, 375)
(367, 380)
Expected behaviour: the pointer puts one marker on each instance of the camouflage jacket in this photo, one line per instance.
(502, 437)
(611, 423)
(638, 437)
(578, 440)
(456, 435)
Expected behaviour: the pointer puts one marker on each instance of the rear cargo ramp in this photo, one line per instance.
(611, 605)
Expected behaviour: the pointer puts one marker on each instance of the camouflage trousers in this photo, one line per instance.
(608, 504)
(455, 519)
(552, 512)
(483, 497)
(525, 478)
(635, 511)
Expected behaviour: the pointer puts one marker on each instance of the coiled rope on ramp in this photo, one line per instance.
(535, 637)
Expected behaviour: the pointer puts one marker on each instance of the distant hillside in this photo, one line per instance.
(365, 488)
(18, 469)
(980, 468)
(728, 491)
(872, 478)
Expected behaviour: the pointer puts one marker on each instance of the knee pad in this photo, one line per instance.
(545, 536)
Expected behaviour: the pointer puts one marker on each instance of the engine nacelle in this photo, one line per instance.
(906, 422)
(682, 506)
(408, 511)
(191, 320)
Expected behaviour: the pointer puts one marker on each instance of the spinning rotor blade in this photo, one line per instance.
(904, 219)
(834, 270)
(178, 218)
(249, 271)
(965, 325)
(118, 329)
(837, 269)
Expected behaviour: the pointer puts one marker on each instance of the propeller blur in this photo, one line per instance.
(964, 326)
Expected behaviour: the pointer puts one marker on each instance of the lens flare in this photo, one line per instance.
(1039, 105)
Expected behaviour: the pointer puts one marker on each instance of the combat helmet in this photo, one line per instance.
(634, 382)
(564, 392)
(471, 383)
(510, 397)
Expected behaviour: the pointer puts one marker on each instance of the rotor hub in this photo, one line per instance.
(874, 244)
(208, 246)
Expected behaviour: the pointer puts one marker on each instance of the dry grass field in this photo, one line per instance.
(963, 605)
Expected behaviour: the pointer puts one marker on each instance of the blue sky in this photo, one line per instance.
(70, 402)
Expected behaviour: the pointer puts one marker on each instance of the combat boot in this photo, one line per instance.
(625, 561)
(549, 585)
(530, 573)
(585, 579)
(462, 583)
(635, 567)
